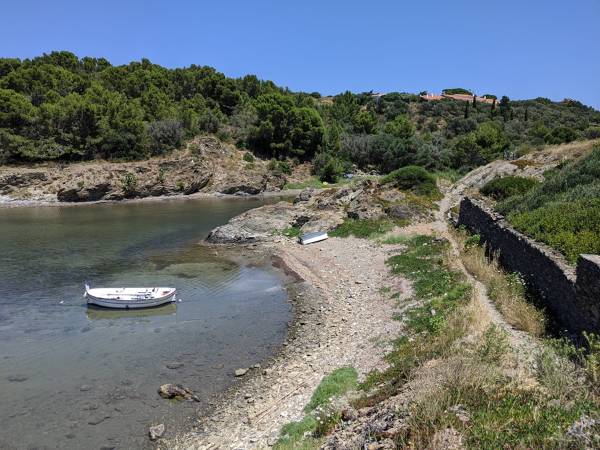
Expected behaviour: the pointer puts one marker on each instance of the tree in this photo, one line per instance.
(505, 108)
(401, 127)
(365, 122)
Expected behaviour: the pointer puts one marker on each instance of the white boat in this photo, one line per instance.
(309, 238)
(129, 298)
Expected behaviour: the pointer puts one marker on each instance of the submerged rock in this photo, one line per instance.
(156, 431)
(177, 392)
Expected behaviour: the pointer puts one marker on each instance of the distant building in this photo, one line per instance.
(461, 97)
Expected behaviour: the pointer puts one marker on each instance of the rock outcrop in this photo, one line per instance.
(314, 210)
(208, 165)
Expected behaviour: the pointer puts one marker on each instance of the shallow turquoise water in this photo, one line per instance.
(74, 377)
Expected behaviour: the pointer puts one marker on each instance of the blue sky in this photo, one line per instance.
(522, 49)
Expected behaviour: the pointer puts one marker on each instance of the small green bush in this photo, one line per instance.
(502, 188)
(331, 171)
(415, 179)
(129, 182)
(248, 157)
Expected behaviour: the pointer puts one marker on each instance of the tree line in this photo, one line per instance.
(61, 107)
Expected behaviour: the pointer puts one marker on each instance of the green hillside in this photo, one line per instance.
(61, 107)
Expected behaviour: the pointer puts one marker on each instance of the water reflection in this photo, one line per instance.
(99, 313)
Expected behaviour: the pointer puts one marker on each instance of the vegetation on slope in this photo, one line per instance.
(458, 367)
(504, 187)
(59, 106)
(564, 211)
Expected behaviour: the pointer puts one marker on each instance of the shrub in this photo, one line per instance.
(502, 188)
(331, 171)
(248, 157)
(165, 135)
(129, 182)
(413, 178)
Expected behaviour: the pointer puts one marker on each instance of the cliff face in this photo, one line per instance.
(207, 165)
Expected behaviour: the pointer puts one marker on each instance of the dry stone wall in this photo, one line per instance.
(571, 295)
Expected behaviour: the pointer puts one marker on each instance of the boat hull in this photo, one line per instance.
(115, 303)
(311, 238)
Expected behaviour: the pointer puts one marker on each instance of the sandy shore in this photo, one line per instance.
(342, 319)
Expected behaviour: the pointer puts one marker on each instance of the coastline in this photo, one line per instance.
(7, 202)
(340, 318)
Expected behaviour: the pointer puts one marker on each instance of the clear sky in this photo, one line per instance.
(523, 49)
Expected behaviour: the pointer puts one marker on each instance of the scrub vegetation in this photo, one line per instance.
(61, 107)
(563, 211)
(459, 366)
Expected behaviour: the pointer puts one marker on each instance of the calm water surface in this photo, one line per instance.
(73, 377)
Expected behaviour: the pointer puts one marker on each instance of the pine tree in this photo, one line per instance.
(467, 110)
(526, 114)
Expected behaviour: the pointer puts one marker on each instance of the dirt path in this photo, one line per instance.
(352, 326)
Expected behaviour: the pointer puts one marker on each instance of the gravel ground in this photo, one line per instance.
(342, 319)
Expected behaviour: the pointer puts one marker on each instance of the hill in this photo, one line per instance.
(61, 107)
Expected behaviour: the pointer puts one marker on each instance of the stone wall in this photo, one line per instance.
(571, 295)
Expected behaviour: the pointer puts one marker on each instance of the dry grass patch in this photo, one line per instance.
(506, 290)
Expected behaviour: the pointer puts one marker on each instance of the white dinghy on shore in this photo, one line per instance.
(310, 238)
(129, 298)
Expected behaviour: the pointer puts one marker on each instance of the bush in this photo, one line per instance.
(502, 188)
(129, 182)
(279, 166)
(415, 179)
(248, 157)
(331, 170)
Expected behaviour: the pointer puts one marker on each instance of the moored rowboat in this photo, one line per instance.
(129, 298)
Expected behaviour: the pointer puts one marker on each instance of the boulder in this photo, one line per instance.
(305, 195)
(257, 225)
(197, 185)
(242, 189)
(240, 372)
(156, 431)
(83, 193)
(273, 182)
(176, 392)
(400, 211)
(361, 208)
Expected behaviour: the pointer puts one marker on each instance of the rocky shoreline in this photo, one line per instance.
(342, 317)
(206, 166)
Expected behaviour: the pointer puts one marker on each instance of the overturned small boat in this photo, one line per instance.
(129, 298)
(310, 238)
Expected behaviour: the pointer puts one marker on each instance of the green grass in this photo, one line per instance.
(442, 290)
(394, 239)
(366, 228)
(320, 417)
(335, 384)
(291, 232)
